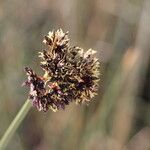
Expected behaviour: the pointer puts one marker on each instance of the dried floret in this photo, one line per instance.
(70, 74)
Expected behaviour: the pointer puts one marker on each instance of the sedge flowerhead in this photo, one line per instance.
(70, 74)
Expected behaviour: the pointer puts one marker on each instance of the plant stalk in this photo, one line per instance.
(14, 125)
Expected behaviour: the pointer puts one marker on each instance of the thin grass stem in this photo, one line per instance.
(14, 125)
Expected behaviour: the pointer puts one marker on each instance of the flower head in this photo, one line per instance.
(70, 74)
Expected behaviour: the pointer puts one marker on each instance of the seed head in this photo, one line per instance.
(70, 74)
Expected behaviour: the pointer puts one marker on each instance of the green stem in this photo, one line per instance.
(15, 124)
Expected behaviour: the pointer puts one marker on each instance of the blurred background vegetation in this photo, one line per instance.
(119, 117)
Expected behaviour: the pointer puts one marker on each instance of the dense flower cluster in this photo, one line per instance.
(70, 74)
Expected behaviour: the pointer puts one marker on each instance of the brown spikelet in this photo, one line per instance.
(70, 74)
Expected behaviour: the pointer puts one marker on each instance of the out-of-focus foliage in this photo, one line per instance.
(120, 31)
